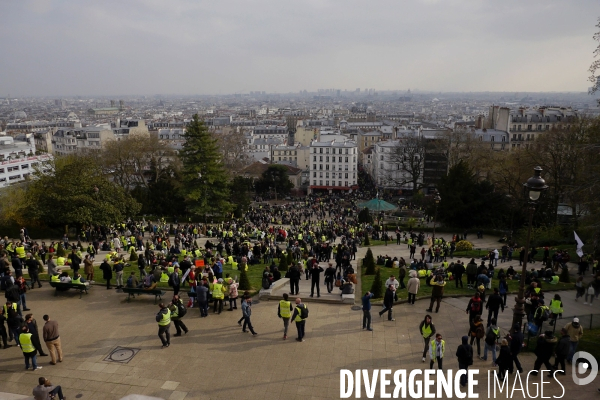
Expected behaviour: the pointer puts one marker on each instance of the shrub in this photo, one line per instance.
(244, 281)
(369, 263)
(133, 256)
(60, 251)
(283, 263)
(464, 245)
(367, 241)
(564, 276)
(376, 288)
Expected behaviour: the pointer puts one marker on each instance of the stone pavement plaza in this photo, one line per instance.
(215, 360)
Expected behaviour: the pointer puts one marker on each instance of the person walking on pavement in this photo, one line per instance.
(516, 345)
(388, 302)
(299, 316)
(504, 360)
(52, 339)
(575, 332)
(28, 349)
(329, 277)
(202, 297)
(284, 311)
(218, 294)
(163, 317)
(294, 275)
(178, 311)
(35, 335)
(471, 274)
(543, 352)
(394, 282)
(175, 282)
(427, 330)
(247, 312)
(562, 351)
(3, 331)
(437, 348)
(474, 306)
(315, 274)
(366, 308)
(106, 272)
(464, 354)
(458, 272)
(477, 332)
(437, 292)
(45, 390)
(492, 335)
(413, 287)
(33, 267)
(493, 304)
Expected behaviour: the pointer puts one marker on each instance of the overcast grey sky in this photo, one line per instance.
(131, 47)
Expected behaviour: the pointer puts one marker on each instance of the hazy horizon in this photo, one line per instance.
(196, 48)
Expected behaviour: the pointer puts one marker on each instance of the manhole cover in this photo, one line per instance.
(122, 355)
(356, 308)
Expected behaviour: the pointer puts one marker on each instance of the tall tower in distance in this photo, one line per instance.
(291, 123)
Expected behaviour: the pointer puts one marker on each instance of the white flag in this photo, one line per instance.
(579, 245)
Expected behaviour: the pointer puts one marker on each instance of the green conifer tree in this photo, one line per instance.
(205, 181)
(377, 287)
(369, 263)
(244, 281)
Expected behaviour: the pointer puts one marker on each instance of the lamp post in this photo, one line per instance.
(437, 200)
(534, 187)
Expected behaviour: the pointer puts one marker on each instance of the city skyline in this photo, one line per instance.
(198, 48)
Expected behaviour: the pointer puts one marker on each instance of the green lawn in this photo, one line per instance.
(254, 275)
(450, 289)
(590, 342)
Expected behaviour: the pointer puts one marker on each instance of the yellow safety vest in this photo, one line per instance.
(20, 252)
(78, 280)
(298, 317)
(217, 291)
(433, 349)
(60, 262)
(25, 341)
(55, 278)
(166, 319)
(426, 331)
(164, 278)
(14, 307)
(284, 309)
(555, 307)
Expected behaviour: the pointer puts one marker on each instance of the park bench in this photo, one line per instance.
(64, 286)
(158, 293)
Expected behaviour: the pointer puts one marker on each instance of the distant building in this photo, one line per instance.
(18, 159)
(256, 169)
(333, 164)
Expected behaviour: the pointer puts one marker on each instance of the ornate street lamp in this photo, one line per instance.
(533, 188)
(437, 200)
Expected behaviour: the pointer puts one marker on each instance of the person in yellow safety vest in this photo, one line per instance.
(218, 294)
(445, 265)
(556, 308)
(10, 247)
(163, 317)
(170, 268)
(284, 311)
(60, 261)
(55, 277)
(437, 348)
(297, 317)
(164, 277)
(183, 252)
(28, 349)
(20, 250)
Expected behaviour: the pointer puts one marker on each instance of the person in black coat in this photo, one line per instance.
(315, 274)
(106, 272)
(494, 304)
(543, 351)
(504, 359)
(294, 275)
(516, 344)
(329, 277)
(464, 354)
(388, 302)
(562, 351)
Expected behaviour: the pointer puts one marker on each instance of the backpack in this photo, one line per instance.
(542, 313)
(265, 283)
(130, 282)
(490, 337)
(476, 306)
(303, 312)
(480, 332)
(181, 310)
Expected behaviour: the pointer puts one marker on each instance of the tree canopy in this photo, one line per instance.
(205, 183)
(276, 178)
(70, 190)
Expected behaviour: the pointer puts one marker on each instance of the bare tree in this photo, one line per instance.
(595, 66)
(128, 160)
(405, 162)
(233, 146)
